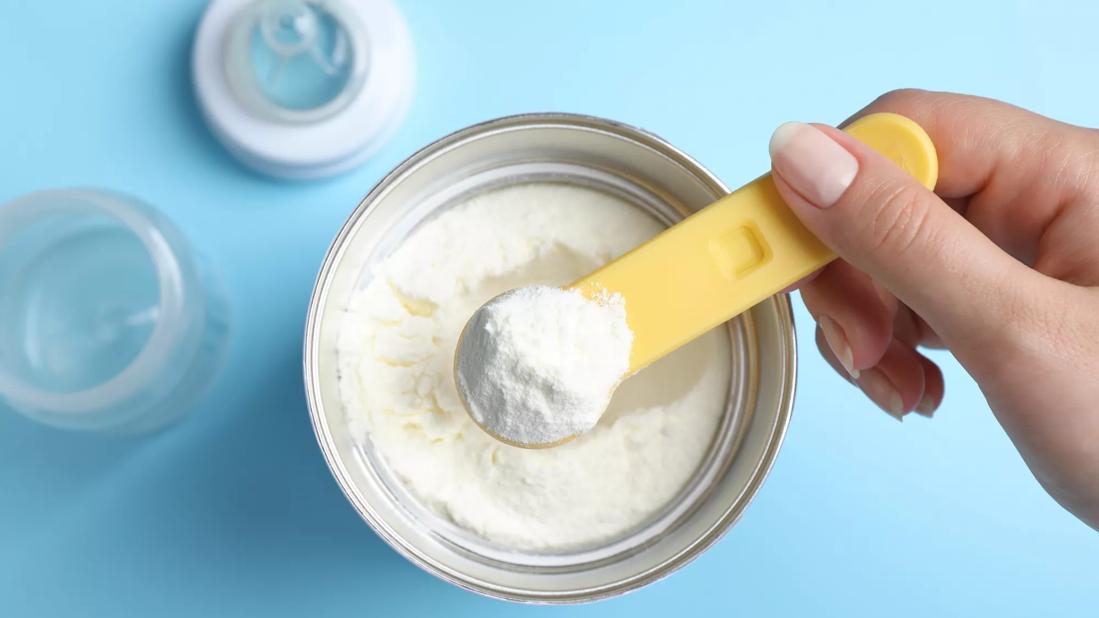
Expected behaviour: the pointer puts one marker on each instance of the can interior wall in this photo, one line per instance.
(653, 176)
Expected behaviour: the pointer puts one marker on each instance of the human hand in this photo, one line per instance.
(1000, 265)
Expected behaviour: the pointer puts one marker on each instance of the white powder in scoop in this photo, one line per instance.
(537, 365)
(396, 362)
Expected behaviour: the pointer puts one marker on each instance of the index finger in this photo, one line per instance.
(982, 143)
(1009, 171)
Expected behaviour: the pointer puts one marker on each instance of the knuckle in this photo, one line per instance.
(1082, 166)
(899, 100)
(900, 218)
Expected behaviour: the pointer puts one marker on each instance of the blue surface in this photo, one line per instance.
(233, 512)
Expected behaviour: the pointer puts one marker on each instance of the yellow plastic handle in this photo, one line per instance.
(736, 252)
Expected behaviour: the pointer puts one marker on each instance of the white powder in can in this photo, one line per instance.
(396, 353)
(538, 364)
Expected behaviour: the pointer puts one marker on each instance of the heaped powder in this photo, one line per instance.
(396, 354)
(537, 365)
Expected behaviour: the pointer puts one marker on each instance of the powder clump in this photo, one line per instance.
(538, 364)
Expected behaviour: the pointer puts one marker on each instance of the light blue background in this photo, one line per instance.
(234, 513)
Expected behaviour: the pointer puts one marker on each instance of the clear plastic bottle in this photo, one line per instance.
(107, 320)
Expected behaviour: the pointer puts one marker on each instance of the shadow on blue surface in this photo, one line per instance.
(258, 482)
(180, 84)
(62, 465)
(212, 498)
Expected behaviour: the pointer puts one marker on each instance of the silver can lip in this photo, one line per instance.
(775, 315)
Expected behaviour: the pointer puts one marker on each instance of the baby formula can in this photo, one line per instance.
(652, 175)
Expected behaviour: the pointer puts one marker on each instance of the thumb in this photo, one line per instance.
(881, 220)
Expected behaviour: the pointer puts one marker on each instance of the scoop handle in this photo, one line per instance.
(736, 252)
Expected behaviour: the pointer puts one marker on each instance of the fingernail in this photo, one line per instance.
(812, 163)
(928, 405)
(882, 392)
(837, 340)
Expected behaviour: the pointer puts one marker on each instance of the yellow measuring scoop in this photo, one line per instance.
(736, 252)
(718, 263)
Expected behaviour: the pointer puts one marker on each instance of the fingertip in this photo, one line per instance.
(837, 341)
(933, 390)
(882, 390)
(830, 357)
(901, 369)
(847, 297)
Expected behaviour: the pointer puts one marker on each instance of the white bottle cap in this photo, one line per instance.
(303, 88)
